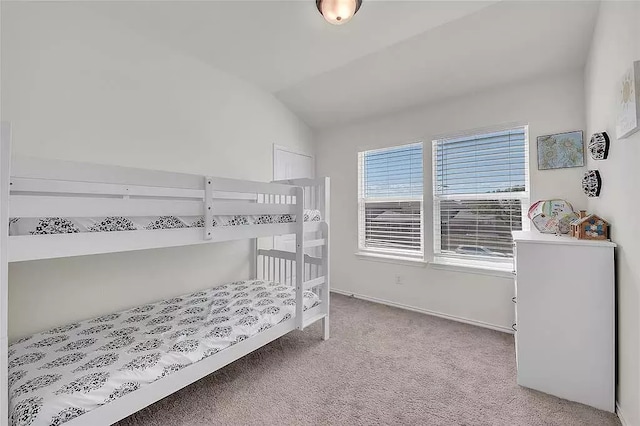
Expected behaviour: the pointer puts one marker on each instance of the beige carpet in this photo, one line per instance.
(381, 366)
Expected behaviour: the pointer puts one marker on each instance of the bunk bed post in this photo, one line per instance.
(325, 257)
(208, 207)
(254, 259)
(5, 176)
(299, 257)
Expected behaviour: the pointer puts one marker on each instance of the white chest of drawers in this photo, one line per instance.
(565, 317)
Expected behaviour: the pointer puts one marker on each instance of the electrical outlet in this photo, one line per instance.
(399, 280)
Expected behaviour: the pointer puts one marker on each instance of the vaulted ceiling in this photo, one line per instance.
(392, 55)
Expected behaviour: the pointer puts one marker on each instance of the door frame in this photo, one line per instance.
(283, 148)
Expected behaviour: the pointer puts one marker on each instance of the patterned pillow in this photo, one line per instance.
(55, 225)
(166, 222)
(113, 223)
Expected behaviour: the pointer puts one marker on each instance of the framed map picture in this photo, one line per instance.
(628, 120)
(560, 151)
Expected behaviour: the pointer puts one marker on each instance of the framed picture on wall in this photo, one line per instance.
(560, 151)
(628, 119)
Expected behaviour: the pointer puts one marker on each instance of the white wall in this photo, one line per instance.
(616, 45)
(76, 87)
(548, 105)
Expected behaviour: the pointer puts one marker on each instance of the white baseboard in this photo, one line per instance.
(623, 420)
(425, 311)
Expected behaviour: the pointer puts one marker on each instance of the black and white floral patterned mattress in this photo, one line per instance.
(68, 225)
(67, 371)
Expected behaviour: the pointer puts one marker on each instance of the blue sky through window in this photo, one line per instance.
(480, 164)
(394, 172)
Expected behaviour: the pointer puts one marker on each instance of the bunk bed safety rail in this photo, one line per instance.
(46, 198)
(267, 199)
(186, 208)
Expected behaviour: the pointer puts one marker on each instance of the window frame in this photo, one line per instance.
(389, 253)
(470, 261)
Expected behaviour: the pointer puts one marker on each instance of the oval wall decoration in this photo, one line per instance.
(599, 146)
(592, 183)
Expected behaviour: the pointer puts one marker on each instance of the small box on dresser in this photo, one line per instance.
(565, 317)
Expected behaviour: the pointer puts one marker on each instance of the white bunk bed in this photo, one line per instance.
(77, 192)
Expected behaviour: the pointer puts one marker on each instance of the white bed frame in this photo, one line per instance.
(45, 188)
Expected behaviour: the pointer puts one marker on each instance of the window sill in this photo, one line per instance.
(481, 268)
(502, 271)
(388, 258)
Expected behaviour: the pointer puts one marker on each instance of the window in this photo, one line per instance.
(480, 194)
(390, 200)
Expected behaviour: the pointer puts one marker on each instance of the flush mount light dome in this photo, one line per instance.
(338, 12)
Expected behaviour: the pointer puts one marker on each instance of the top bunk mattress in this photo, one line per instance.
(70, 225)
(67, 371)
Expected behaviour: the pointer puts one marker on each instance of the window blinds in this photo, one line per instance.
(481, 192)
(390, 199)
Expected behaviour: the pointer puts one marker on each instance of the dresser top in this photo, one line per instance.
(537, 237)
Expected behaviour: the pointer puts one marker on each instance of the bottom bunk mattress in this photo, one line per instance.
(67, 371)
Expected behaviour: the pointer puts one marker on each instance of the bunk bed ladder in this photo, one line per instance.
(320, 279)
(324, 204)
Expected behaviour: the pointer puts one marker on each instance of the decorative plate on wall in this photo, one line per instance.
(592, 183)
(599, 146)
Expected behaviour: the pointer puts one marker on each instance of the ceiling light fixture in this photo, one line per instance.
(338, 12)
